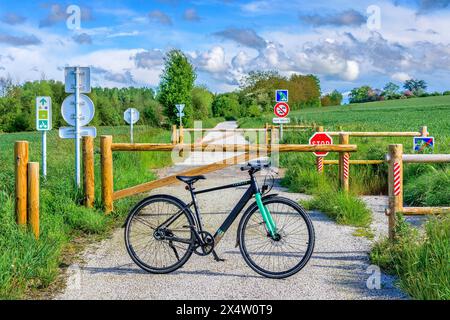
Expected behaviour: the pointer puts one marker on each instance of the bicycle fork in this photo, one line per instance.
(267, 217)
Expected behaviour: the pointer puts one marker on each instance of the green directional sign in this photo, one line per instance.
(43, 113)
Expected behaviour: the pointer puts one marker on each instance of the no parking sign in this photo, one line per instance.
(281, 109)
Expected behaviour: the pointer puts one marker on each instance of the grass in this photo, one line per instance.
(26, 264)
(420, 260)
(343, 207)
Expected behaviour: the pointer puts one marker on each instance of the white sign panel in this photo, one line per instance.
(180, 114)
(180, 107)
(131, 113)
(86, 112)
(281, 120)
(84, 78)
(69, 132)
(43, 113)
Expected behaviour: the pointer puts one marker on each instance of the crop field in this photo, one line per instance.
(393, 115)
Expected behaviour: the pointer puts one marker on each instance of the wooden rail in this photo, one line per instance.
(334, 162)
(233, 147)
(250, 151)
(396, 158)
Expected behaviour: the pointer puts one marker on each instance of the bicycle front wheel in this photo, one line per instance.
(288, 252)
(158, 234)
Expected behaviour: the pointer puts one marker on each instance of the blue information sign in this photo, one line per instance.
(282, 95)
(423, 144)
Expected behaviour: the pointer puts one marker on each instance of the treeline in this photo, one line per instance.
(18, 112)
(411, 88)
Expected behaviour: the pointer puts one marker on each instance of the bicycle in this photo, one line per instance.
(275, 234)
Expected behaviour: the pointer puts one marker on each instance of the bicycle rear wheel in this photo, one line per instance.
(290, 251)
(158, 234)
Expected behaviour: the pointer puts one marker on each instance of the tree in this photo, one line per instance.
(390, 90)
(360, 94)
(201, 102)
(177, 82)
(226, 105)
(417, 87)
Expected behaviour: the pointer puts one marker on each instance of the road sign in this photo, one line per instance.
(43, 113)
(423, 144)
(180, 114)
(281, 109)
(86, 110)
(281, 120)
(84, 79)
(319, 138)
(69, 132)
(282, 95)
(180, 107)
(131, 115)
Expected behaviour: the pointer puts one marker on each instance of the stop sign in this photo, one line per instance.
(320, 138)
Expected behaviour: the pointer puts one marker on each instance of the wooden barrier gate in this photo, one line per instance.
(107, 147)
(396, 158)
(345, 162)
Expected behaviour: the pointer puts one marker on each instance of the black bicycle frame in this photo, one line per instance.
(253, 189)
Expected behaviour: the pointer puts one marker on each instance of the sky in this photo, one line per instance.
(345, 43)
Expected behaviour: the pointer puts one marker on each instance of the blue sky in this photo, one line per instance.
(345, 43)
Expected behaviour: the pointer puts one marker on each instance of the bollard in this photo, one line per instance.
(344, 164)
(33, 197)
(395, 181)
(21, 161)
(88, 171)
(107, 173)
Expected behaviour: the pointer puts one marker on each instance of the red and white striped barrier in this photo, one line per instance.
(346, 164)
(319, 164)
(397, 180)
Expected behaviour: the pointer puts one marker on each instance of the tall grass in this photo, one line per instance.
(27, 264)
(421, 261)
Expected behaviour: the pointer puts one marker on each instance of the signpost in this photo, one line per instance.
(44, 124)
(423, 144)
(131, 116)
(281, 110)
(319, 138)
(180, 108)
(77, 109)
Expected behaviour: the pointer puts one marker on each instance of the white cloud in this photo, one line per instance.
(400, 76)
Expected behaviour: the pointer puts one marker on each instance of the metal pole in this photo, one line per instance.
(281, 131)
(77, 127)
(44, 153)
(131, 125)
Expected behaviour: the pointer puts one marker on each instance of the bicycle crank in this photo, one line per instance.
(207, 247)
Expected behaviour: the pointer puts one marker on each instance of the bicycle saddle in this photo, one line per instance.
(190, 179)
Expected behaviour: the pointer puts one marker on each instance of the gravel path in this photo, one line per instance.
(338, 268)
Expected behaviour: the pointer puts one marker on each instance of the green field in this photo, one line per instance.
(26, 264)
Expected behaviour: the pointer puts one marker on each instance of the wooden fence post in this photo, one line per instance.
(319, 160)
(395, 180)
(424, 131)
(107, 173)
(174, 134)
(21, 162)
(267, 134)
(33, 197)
(344, 164)
(88, 172)
(272, 135)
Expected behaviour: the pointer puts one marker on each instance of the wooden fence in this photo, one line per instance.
(107, 147)
(344, 138)
(26, 188)
(396, 159)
